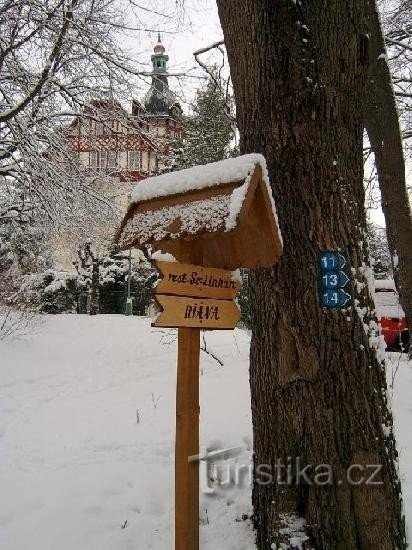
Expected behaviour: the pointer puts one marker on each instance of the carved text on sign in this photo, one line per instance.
(192, 280)
(180, 311)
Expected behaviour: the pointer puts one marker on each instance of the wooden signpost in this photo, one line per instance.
(180, 311)
(212, 225)
(194, 280)
(192, 296)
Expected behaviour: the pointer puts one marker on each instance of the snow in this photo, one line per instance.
(294, 529)
(219, 211)
(395, 260)
(236, 201)
(399, 375)
(237, 276)
(387, 305)
(204, 215)
(61, 278)
(76, 464)
(160, 256)
(198, 177)
(364, 279)
(387, 299)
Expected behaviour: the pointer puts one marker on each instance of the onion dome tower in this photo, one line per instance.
(159, 101)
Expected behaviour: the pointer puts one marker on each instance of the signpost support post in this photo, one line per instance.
(187, 441)
(187, 428)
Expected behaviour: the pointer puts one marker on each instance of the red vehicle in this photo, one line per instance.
(391, 315)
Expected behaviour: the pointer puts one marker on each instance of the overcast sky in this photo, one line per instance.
(185, 26)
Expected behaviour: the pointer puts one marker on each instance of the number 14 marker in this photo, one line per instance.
(335, 298)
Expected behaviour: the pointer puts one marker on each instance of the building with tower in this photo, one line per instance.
(129, 145)
(122, 145)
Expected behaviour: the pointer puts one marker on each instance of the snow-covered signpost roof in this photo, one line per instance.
(228, 205)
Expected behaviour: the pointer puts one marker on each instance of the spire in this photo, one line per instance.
(159, 49)
(159, 62)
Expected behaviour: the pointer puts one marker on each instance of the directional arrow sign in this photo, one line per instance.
(334, 279)
(335, 298)
(194, 280)
(331, 260)
(179, 311)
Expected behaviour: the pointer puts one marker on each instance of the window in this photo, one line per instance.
(134, 160)
(102, 160)
(111, 159)
(93, 159)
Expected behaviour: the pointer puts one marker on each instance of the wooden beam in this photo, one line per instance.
(187, 428)
(187, 441)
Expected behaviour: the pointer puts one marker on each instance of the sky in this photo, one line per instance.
(185, 26)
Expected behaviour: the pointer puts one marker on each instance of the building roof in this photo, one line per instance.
(159, 99)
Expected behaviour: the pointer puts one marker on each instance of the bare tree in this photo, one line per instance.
(56, 55)
(396, 19)
(382, 125)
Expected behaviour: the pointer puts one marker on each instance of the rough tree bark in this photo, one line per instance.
(382, 125)
(317, 376)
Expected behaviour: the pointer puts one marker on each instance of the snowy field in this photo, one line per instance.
(78, 471)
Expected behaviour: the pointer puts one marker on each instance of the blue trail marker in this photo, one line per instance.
(331, 260)
(335, 298)
(332, 280)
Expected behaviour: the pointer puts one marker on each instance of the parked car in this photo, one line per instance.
(391, 315)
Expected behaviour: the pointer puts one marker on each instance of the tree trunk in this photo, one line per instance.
(317, 375)
(382, 125)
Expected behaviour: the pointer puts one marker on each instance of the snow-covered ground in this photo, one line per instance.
(75, 464)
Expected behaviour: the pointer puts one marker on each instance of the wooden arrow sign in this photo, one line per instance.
(197, 281)
(179, 311)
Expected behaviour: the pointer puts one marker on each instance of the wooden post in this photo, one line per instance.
(187, 427)
(187, 441)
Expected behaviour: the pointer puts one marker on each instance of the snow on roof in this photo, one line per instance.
(200, 177)
(385, 284)
(212, 214)
(205, 215)
(387, 305)
(214, 174)
(218, 198)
